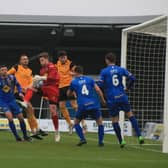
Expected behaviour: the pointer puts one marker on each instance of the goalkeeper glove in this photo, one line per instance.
(38, 77)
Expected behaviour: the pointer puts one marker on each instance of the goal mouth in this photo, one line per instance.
(145, 54)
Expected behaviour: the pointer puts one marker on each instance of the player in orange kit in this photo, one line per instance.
(23, 75)
(65, 69)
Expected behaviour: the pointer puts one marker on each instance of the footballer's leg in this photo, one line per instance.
(31, 118)
(126, 107)
(79, 129)
(62, 105)
(117, 129)
(134, 123)
(36, 132)
(28, 96)
(55, 120)
(74, 104)
(114, 113)
(75, 107)
(100, 131)
(84, 126)
(17, 111)
(33, 122)
(37, 83)
(23, 127)
(9, 116)
(65, 113)
(52, 92)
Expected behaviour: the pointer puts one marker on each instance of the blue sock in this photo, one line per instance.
(23, 128)
(13, 129)
(117, 130)
(79, 132)
(135, 125)
(101, 133)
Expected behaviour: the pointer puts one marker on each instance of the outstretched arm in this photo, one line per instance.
(11, 71)
(71, 91)
(130, 82)
(130, 78)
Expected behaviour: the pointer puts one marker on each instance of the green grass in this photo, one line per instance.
(48, 154)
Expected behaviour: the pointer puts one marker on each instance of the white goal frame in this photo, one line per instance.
(124, 62)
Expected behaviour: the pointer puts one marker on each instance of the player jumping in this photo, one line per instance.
(65, 69)
(49, 88)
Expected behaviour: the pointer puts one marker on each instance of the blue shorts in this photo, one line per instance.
(84, 113)
(116, 107)
(11, 106)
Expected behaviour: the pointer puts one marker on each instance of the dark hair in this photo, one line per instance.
(78, 69)
(44, 55)
(22, 55)
(111, 57)
(62, 53)
(2, 66)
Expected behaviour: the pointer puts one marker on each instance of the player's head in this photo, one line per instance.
(110, 58)
(3, 70)
(78, 70)
(44, 58)
(62, 56)
(23, 60)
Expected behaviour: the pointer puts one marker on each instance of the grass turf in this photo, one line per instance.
(48, 154)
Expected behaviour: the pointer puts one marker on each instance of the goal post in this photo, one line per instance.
(165, 121)
(145, 54)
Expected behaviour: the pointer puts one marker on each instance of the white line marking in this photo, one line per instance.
(129, 145)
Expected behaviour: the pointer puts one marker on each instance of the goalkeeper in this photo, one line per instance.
(49, 89)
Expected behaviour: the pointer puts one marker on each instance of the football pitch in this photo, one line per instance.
(48, 154)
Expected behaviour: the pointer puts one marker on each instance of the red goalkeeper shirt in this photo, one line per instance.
(52, 75)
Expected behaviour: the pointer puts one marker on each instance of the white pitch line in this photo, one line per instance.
(129, 145)
(146, 149)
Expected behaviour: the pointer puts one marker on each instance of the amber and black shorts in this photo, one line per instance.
(63, 94)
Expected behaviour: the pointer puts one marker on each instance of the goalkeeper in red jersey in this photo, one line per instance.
(49, 88)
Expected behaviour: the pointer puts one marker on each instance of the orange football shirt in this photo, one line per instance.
(23, 76)
(64, 71)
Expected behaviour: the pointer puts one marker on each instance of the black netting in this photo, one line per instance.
(146, 60)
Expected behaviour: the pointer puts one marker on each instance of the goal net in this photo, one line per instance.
(144, 53)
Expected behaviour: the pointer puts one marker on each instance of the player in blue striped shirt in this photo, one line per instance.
(88, 103)
(8, 102)
(111, 79)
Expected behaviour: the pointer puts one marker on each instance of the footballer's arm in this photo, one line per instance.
(11, 71)
(100, 93)
(72, 67)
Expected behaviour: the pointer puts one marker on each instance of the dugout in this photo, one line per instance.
(86, 39)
